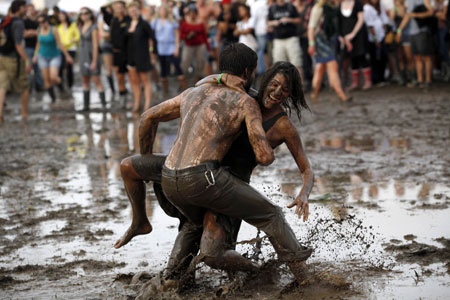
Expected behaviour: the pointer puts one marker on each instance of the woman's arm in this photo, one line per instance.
(294, 144)
(61, 46)
(94, 49)
(177, 42)
(357, 27)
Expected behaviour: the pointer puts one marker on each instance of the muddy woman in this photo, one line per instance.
(212, 115)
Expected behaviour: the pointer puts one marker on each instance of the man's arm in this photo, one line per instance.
(163, 112)
(256, 134)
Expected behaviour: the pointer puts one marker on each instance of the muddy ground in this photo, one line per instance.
(379, 223)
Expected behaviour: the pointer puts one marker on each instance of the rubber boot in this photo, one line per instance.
(111, 84)
(102, 98)
(86, 100)
(123, 98)
(367, 73)
(355, 80)
(51, 93)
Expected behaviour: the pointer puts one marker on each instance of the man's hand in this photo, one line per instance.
(302, 207)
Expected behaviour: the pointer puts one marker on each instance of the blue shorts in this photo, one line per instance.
(45, 63)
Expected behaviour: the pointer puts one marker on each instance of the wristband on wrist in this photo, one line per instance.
(399, 31)
(27, 62)
(311, 43)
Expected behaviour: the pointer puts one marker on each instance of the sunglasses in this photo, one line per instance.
(85, 13)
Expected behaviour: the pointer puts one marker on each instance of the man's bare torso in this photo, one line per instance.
(211, 117)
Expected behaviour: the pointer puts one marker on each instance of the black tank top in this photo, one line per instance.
(240, 159)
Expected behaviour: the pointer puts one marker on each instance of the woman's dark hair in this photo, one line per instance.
(45, 18)
(80, 21)
(236, 58)
(66, 16)
(296, 100)
(246, 7)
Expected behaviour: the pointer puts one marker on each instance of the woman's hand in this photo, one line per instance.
(93, 66)
(176, 52)
(349, 37)
(34, 60)
(69, 59)
(348, 45)
(312, 50)
(302, 207)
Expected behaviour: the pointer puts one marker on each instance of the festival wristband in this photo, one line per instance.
(399, 31)
(27, 63)
(311, 43)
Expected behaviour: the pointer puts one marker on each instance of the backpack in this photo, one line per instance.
(6, 40)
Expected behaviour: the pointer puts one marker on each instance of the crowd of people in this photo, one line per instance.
(403, 42)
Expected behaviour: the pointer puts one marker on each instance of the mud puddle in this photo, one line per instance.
(378, 212)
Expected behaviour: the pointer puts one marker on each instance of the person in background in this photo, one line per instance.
(107, 51)
(14, 62)
(193, 33)
(322, 36)
(213, 37)
(284, 19)
(442, 36)
(118, 22)
(376, 20)
(304, 8)
(149, 13)
(48, 55)
(89, 57)
(53, 19)
(353, 37)
(227, 24)
(422, 44)
(245, 28)
(259, 13)
(30, 34)
(139, 35)
(168, 45)
(70, 36)
(403, 55)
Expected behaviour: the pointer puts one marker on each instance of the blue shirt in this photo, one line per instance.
(165, 36)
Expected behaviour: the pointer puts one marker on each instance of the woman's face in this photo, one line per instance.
(42, 22)
(162, 12)
(85, 15)
(62, 18)
(242, 12)
(373, 2)
(133, 11)
(276, 92)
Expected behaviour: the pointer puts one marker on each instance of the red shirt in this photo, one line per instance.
(194, 34)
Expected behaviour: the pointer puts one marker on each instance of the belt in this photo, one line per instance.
(204, 167)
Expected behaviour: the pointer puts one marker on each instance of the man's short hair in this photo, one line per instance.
(16, 5)
(236, 58)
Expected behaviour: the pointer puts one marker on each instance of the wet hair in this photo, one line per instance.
(296, 100)
(16, 5)
(236, 58)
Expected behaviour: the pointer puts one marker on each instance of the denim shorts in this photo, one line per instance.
(45, 63)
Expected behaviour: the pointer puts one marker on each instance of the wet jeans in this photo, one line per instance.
(210, 187)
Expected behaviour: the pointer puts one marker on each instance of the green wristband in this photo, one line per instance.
(218, 78)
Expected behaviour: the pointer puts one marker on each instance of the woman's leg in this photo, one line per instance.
(335, 81)
(419, 67)
(86, 82)
(135, 87)
(54, 75)
(144, 78)
(101, 90)
(428, 68)
(48, 83)
(317, 80)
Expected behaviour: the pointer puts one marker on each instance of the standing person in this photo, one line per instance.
(196, 45)
(48, 55)
(322, 43)
(118, 23)
(245, 28)
(259, 12)
(89, 57)
(442, 36)
(404, 56)
(422, 44)
(284, 18)
(227, 24)
(353, 36)
(30, 34)
(167, 37)
(138, 43)
(107, 51)
(70, 36)
(14, 62)
(376, 20)
(304, 8)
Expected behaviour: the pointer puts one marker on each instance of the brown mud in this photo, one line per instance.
(379, 212)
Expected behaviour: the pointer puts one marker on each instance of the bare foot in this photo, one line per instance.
(132, 232)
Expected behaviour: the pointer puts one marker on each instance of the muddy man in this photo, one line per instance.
(192, 178)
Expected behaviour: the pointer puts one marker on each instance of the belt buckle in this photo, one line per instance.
(212, 181)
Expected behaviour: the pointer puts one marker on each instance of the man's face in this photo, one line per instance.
(280, 2)
(276, 92)
(118, 8)
(22, 11)
(31, 11)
